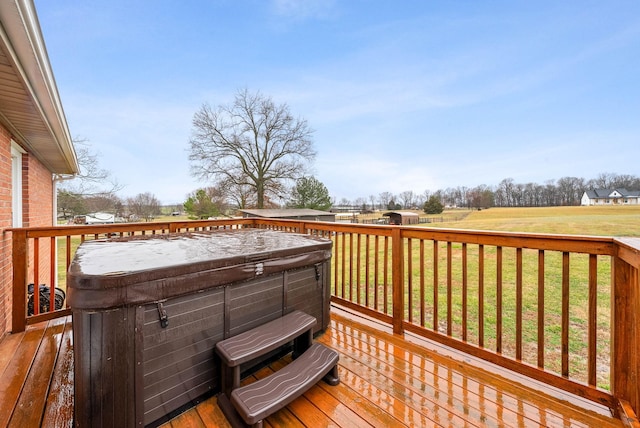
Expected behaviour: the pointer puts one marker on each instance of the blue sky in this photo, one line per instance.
(403, 95)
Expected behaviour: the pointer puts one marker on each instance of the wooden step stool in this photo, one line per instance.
(254, 402)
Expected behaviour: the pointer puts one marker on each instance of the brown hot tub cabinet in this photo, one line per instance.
(148, 311)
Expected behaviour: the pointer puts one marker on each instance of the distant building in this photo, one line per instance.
(611, 197)
(402, 217)
(342, 217)
(346, 208)
(294, 214)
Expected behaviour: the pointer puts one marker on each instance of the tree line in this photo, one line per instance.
(144, 206)
(565, 191)
(206, 202)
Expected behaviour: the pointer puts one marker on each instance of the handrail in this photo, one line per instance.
(532, 303)
(22, 258)
(620, 394)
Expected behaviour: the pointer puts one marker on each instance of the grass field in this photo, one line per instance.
(592, 220)
(604, 221)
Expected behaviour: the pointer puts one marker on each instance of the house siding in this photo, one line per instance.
(37, 208)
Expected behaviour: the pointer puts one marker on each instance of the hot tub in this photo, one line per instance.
(148, 311)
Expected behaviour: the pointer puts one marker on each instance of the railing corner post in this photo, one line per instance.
(19, 256)
(625, 333)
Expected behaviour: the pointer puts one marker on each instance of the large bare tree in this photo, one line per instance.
(251, 142)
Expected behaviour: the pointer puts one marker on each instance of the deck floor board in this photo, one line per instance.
(385, 380)
(16, 373)
(59, 409)
(33, 397)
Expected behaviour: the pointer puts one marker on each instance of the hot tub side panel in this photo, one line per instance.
(308, 290)
(104, 371)
(178, 360)
(253, 303)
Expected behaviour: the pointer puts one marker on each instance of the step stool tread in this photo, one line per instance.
(264, 397)
(264, 338)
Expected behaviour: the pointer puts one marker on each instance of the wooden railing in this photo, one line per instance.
(561, 309)
(62, 242)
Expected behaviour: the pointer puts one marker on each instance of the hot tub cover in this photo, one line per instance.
(124, 271)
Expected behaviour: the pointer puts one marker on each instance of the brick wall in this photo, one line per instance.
(37, 198)
(37, 191)
(5, 238)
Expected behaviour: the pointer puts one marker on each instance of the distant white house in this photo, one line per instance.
(611, 197)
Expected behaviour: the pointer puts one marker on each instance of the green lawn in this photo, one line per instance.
(592, 220)
(606, 221)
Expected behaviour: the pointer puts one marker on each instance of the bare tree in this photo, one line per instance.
(361, 203)
(105, 203)
(344, 202)
(613, 181)
(448, 197)
(569, 190)
(372, 199)
(384, 198)
(240, 196)
(423, 197)
(604, 180)
(251, 142)
(505, 193)
(144, 205)
(92, 180)
(480, 197)
(407, 198)
(549, 193)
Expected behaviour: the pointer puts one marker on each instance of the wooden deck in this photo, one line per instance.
(386, 380)
(36, 376)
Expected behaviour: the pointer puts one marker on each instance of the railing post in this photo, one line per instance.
(397, 278)
(19, 255)
(625, 340)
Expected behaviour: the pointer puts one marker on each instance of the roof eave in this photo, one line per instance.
(22, 42)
